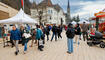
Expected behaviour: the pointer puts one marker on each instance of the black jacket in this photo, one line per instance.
(70, 33)
(54, 29)
(47, 30)
(77, 31)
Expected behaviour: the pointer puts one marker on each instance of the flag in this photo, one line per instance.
(22, 3)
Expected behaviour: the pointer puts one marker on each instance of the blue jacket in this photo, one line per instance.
(15, 35)
(38, 34)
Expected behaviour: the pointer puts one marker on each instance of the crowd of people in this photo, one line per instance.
(76, 32)
(37, 35)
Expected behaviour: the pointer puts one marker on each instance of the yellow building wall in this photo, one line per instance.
(7, 10)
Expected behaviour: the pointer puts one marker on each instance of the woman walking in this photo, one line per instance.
(77, 33)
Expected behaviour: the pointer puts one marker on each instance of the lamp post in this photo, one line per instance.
(40, 17)
(97, 23)
(61, 21)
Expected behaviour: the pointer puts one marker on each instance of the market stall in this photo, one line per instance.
(20, 18)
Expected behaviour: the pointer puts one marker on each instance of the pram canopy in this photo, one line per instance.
(98, 34)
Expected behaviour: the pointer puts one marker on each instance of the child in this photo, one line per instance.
(26, 36)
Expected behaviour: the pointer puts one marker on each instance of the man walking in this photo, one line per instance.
(59, 31)
(84, 30)
(70, 35)
(15, 36)
(54, 30)
(47, 32)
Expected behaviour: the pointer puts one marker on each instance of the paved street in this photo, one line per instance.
(54, 51)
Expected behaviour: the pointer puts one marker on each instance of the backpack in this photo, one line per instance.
(70, 33)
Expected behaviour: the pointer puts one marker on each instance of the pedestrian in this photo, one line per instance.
(50, 27)
(33, 37)
(22, 30)
(54, 30)
(47, 32)
(85, 30)
(15, 36)
(59, 31)
(70, 33)
(27, 37)
(77, 33)
(44, 32)
(38, 37)
(65, 27)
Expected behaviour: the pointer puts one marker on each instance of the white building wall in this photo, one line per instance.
(50, 15)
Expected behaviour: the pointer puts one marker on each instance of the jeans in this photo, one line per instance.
(16, 44)
(85, 37)
(59, 35)
(47, 37)
(25, 47)
(70, 45)
(77, 38)
(54, 34)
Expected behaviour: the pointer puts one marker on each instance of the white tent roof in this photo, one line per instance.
(21, 17)
(81, 22)
(73, 22)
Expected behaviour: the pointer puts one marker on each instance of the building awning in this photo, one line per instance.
(100, 16)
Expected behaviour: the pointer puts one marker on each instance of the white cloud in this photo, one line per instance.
(89, 8)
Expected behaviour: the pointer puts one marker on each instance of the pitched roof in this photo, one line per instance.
(34, 5)
(46, 3)
(57, 7)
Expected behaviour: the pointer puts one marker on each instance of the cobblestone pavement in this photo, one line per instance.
(54, 51)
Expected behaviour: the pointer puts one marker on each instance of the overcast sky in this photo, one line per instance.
(84, 8)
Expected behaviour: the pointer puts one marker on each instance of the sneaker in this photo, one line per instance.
(68, 52)
(24, 52)
(41, 49)
(16, 53)
(18, 50)
(74, 42)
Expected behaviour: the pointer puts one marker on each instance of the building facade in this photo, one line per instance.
(6, 11)
(48, 13)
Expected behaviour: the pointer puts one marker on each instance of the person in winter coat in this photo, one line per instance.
(27, 37)
(70, 33)
(33, 37)
(77, 33)
(22, 30)
(44, 32)
(85, 30)
(15, 36)
(47, 32)
(59, 31)
(38, 36)
(54, 30)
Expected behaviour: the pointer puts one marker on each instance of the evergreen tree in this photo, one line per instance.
(77, 19)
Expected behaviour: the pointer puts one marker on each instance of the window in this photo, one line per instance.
(50, 11)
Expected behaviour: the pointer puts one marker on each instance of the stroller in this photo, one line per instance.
(96, 39)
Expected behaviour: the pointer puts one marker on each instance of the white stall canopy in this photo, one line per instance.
(74, 23)
(20, 18)
(81, 22)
